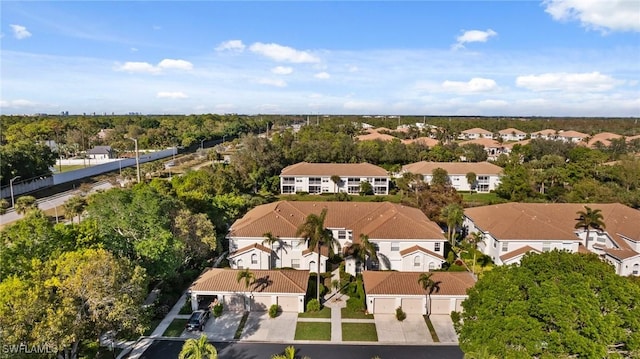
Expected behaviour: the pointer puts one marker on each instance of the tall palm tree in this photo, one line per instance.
(367, 250)
(474, 239)
(270, 239)
(74, 206)
(429, 286)
(471, 180)
(198, 349)
(313, 231)
(25, 204)
(452, 215)
(590, 219)
(248, 278)
(335, 179)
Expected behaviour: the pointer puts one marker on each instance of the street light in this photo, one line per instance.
(202, 144)
(135, 140)
(13, 203)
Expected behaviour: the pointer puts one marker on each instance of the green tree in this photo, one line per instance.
(523, 311)
(198, 349)
(363, 251)
(313, 231)
(74, 206)
(482, 353)
(471, 180)
(474, 239)
(429, 286)
(452, 215)
(25, 204)
(270, 240)
(4, 204)
(289, 353)
(590, 219)
(336, 180)
(248, 278)
(439, 177)
(366, 189)
(25, 158)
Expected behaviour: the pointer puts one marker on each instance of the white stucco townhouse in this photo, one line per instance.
(487, 174)
(315, 178)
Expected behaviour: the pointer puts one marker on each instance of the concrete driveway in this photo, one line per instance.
(260, 327)
(443, 325)
(222, 328)
(412, 330)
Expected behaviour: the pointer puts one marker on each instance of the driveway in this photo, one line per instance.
(412, 330)
(222, 328)
(260, 327)
(443, 325)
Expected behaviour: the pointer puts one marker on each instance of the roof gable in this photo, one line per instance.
(406, 283)
(266, 281)
(330, 169)
(453, 168)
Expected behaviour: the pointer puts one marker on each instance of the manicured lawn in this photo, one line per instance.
(67, 168)
(152, 326)
(432, 330)
(323, 313)
(361, 332)
(481, 198)
(176, 328)
(313, 331)
(346, 313)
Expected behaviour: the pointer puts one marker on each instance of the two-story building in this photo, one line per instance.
(475, 133)
(511, 230)
(512, 134)
(317, 178)
(487, 174)
(405, 238)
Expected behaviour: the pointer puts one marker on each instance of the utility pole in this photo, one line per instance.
(13, 203)
(135, 141)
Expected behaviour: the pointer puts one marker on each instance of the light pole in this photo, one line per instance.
(202, 144)
(13, 203)
(135, 140)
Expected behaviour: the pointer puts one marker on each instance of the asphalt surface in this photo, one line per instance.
(169, 349)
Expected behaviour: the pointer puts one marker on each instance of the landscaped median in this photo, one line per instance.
(313, 331)
(359, 332)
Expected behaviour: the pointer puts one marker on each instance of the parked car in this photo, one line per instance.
(197, 320)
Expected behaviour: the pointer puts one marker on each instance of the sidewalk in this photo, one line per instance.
(173, 313)
(336, 301)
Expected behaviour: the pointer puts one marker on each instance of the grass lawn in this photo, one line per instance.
(480, 199)
(346, 313)
(323, 313)
(176, 328)
(313, 331)
(361, 332)
(326, 198)
(67, 168)
(432, 330)
(152, 326)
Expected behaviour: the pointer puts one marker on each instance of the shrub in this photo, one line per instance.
(400, 314)
(313, 306)
(273, 310)
(217, 310)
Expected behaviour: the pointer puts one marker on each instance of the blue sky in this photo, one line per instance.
(507, 58)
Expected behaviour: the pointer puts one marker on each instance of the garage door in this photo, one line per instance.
(440, 306)
(261, 303)
(384, 305)
(288, 304)
(413, 305)
(234, 302)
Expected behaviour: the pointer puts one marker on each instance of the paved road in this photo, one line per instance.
(170, 349)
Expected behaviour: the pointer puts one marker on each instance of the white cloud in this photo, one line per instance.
(273, 82)
(473, 36)
(322, 75)
(172, 95)
(475, 85)
(353, 68)
(283, 53)
(145, 67)
(609, 15)
(20, 32)
(282, 70)
(563, 81)
(20, 103)
(175, 64)
(231, 45)
(134, 49)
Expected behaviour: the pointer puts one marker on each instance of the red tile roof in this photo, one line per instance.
(406, 283)
(251, 247)
(621, 254)
(520, 251)
(376, 136)
(330, 169)
(478, 130)
(486, 142)
(266, 281)
(420, 249)
(510, 131)
(453, 168)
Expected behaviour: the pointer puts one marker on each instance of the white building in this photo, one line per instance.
(487, 174)
(405, 238)
(511, 230)
(315, 178)
(512, 134)
(475, 133)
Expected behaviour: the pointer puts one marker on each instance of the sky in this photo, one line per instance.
(487, 58)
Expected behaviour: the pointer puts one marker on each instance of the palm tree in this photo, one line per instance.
(452, 215)
(270, 239)
(590, 219)
(471, 180)
(429, 286)
(474, 239)
(313, 231)
(335, 179)
(248, 278)
(365, 250)
(198, 349)
(25, 204)
(74, 206)
(289, 353)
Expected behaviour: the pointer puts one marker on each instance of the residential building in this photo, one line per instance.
(285, 288)
(424, 141)
(374, 135)
(492, 147)
(475, 133)
(487, 174)
(511, 230)
(512, 134)
(100, 153)
(571, 136)
(386, 291)
(547, 134)
(315, 178)
(405, 238)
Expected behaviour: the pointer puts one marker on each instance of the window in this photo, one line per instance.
(288, 180)
(354, 180)
(416, 261)
(432, 266)
(436, 247)
(254, 259)
(313, 265)
(601, 239)
(239, 264)
(505, 246)
(342, 234)
(288, 189)
(315, 180)
(635, 269)
(295, 263)
(314, 189)
(325, 180)
(395, 247)
(299, 180)
(546, 247)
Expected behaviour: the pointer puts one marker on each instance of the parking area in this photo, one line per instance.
(443, 326)
(260, 327)
(413, 330)
(222, 328)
